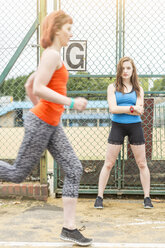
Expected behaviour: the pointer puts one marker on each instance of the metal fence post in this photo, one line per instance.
(43, 160)
(43, 168)
(120, 40)
(43, 13)
(55, 176)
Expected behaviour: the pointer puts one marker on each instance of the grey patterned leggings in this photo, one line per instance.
(38, 137)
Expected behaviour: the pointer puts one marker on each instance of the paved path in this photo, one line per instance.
(122, 223)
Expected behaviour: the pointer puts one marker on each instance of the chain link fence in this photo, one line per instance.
(144, 35)
(92, 25)
(112, 29)
(19, 58)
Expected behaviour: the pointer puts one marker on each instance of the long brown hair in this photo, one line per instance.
(134, 78)
(51, 24)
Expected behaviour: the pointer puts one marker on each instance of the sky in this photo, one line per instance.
(94, 21)
(144, 33)
(17, 16)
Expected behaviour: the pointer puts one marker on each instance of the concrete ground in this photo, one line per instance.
(122, 223)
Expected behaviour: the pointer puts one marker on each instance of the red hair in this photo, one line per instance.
(51, 23)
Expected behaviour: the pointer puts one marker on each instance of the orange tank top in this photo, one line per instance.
(48, 111)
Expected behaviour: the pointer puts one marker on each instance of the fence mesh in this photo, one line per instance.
(98, 29)
(144, 35)
(17, 17)
(112, 29)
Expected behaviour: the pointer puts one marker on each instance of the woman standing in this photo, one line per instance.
(42, 124)
(126, 100)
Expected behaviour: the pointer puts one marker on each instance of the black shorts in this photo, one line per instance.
(134, 132)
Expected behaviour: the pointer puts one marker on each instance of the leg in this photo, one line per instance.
(63, 153)
(110, 158)
(140, 157)
(35, 141)
(115, 140)
(65, 156)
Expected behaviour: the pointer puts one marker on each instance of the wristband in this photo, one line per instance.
(131, 109)
(72, 103)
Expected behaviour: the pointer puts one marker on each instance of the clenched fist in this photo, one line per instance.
(139, 109)
(80, 103)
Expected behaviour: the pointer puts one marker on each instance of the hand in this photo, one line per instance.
(80, 103)
(139, 109)
(29, 89)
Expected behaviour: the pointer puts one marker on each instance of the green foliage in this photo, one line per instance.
(14, 87)
(159, 85)
(87, 83)
(96, 84)
(144, 82)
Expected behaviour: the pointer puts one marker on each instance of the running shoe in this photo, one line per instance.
(75, 236)
(98, 202)
(148, 203)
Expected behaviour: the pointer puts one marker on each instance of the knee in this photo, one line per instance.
(77, 171)
(109, 165)
(142, 164)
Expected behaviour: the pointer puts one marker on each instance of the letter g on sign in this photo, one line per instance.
(74, 55)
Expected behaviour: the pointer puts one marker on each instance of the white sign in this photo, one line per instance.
(74, 55)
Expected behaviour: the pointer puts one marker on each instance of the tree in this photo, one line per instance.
(88, 84)
(14, 87)
(144, 82)
(159, 85)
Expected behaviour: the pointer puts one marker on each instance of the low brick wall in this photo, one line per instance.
(26, 190)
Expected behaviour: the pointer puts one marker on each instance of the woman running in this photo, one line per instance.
(47, 90)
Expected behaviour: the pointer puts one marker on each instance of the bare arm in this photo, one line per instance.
(29, 88)
(50, 62)
(140, 99)
(115, 109)
(140, 103)
(139, 107)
